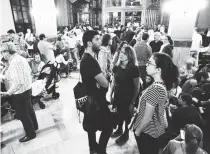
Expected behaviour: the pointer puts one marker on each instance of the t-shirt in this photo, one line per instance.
(46, 49)
(89, 68)
(143, 52)
(124, 84)
(156, 46)
(156, 96)
(177, 147)
(180, 118)
(196, 41)
(129, 36)
(60, 59)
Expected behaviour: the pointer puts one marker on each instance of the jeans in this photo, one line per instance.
(147, 144)
(25, 112)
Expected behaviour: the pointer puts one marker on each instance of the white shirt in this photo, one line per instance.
(46, 49)
(196, 41)
(18, 76)
(71, 42)
(60, 59)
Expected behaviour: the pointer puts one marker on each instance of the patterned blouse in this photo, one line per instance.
(155, 95)
(18, 76)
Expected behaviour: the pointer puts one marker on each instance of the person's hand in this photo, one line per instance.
(4, 94)
(118, 61)
(70, 60)
(137, 132)
(2, 77)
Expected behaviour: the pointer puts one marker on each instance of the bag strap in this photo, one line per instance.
(80, 78)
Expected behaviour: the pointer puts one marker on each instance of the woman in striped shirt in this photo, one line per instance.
(150, 122)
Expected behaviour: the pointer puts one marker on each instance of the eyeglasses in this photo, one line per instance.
(150, 63)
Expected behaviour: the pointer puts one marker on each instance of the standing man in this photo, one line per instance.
(143, 53)
(97, 115)
(46, 49)
(18, 80)
(156, 43)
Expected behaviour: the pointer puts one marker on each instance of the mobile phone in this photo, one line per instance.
(182, 134)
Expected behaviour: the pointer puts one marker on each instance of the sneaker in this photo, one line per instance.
(122, 139)
(117, 133)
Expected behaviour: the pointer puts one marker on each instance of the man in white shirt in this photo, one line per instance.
(196, 41)
(46, 49)
(18, 86)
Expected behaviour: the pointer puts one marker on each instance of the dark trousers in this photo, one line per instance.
(124, 115)
(25, 112)
(147, 144)
(64, 68)
(103, 140)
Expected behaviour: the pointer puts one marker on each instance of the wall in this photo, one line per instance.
(181, 25)
(62, 16)
(6, 18)
(203, 18)
(45, 17)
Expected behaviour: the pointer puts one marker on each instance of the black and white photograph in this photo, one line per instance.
(105, 76)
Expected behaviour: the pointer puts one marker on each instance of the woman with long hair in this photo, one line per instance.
(122, 45)
(125, 86)
(150, 121)
(193, 139)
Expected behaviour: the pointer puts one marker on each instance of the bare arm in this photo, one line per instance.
(101, 80)
(112, 88)
(102, 60)
(146, 119)
(136, 82)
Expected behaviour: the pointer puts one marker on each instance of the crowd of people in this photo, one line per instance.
(134, 67)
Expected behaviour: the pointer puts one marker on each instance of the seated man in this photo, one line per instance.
(36, 66)
(63, 65)
(187, 71)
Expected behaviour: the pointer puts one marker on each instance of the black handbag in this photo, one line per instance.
(80, 96)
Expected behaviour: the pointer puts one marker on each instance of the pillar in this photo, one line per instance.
(6, 17)
(62, 6)
(44, 14)
(181, 27)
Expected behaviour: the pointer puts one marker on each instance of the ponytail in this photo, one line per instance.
(170, 76)
(193, 138)
(169, 71)
(192, 146)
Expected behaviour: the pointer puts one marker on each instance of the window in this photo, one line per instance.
(113, 3)
(113, 18)
(133, 17)
(21, 14)
(133, 3)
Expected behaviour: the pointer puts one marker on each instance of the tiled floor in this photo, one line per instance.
(59, 129)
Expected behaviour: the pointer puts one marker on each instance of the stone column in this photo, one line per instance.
(44, 13)
(181, 26)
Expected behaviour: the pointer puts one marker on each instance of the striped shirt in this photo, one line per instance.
(18, 76)
(155, 95)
